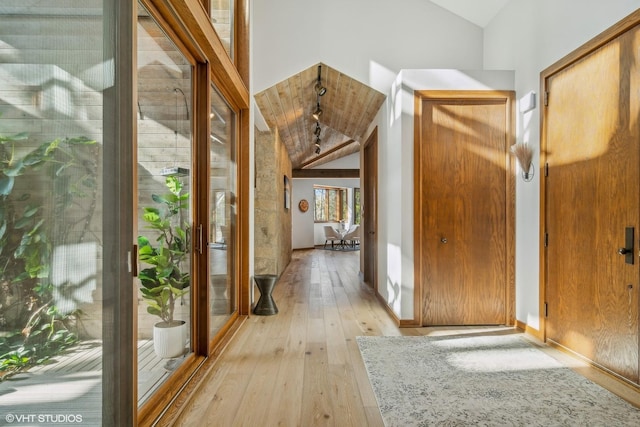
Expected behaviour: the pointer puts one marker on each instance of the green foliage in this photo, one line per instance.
(164, 282)
(39, 347)
(32, 219)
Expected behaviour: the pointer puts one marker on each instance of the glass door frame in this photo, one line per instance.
(118, 325)
(188, 26)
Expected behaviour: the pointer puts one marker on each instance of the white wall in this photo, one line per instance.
(395, 175)
(352, 161)
(373, 40)
(528, 36)
(305, 233)
(369, 40)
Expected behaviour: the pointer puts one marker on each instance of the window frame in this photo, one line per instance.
(342, 205)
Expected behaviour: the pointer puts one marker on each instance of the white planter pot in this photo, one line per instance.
(169, 339)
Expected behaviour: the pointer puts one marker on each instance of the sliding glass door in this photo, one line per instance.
(164, 214)
(110, 232)
(222, 242)
(53, 80)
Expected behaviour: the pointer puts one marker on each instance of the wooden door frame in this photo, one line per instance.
(508, 97)
(580, 53)
(370, 178)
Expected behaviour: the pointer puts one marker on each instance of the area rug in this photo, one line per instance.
(500, 380)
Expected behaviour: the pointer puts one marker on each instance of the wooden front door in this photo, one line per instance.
(463, 207)
(591, 197)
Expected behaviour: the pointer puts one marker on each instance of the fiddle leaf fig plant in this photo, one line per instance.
(167, 278)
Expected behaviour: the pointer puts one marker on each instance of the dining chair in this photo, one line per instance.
(352, 238)
(330, 234)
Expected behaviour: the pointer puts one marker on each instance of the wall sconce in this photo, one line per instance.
(524, 154)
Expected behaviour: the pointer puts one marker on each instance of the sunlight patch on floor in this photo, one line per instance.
(506, 360)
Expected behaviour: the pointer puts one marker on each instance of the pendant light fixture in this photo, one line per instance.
(318, 112)
(320, 91)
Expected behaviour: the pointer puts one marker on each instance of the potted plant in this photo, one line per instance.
(165, 282)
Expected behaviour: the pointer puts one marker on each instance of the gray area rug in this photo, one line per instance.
(500, 380)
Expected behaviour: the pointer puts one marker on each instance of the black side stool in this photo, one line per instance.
(266, 306)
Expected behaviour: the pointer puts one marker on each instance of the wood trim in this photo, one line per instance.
(510, 165)
(196, 382)
(528, 329)
(542, 252)
(163, 397)
(401, 323)
(201, 200)
(602, 369)
(508, 97)
(601, 39)
(162, 14)
(326, 173)
(388, 309)
(242, 39)
(598, 41)
(409, 323)
(243, 234)
(197, 21)
(418, 293)
(326, 154)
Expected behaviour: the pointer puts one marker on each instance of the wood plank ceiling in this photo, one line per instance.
(348, 109)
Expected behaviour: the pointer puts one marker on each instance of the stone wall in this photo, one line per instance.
(272, 219)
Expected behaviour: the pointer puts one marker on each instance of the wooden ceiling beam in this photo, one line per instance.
(326, 173)
(326, 153)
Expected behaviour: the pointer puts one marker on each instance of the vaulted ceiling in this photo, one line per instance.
(348, 109)
(349, 106)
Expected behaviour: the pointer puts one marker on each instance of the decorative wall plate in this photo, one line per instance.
(303, 205)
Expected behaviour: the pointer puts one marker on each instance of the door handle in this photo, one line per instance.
(444, 240)
(627, 251)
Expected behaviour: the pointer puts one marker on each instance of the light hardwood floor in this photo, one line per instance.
(302, 367)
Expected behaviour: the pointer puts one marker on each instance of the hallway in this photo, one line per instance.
(302, 367)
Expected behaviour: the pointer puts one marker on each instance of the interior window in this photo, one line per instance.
(330, 204)
(222, 20)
